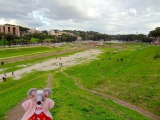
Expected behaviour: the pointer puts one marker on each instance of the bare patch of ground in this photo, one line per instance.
(54, 63)
(14, 59)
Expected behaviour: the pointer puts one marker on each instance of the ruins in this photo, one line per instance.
(10, 29)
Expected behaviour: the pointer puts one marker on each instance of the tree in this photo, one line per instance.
(45, 32)
(16, 39)
(9, 38)
(155, 33)
(1, 36)
(23, 29)
(26, 39)
(67, 38)
(41, 37)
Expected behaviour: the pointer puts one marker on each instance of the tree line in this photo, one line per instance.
(95, 36)
(10, 39)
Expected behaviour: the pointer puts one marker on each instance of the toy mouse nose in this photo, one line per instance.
(39, 102)
(39, 99)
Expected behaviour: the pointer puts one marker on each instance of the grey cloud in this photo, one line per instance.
(59, 11)
(106, 16)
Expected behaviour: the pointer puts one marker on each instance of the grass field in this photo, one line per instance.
(134, 79)
(20, 57)
(23, 51)
(73, 103)
(13, 92)
(13, 66)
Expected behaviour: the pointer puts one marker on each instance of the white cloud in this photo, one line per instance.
(105, 16)
(133, 11)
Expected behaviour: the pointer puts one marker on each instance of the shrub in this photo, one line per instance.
(156, 56)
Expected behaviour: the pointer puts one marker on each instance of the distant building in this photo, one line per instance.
(52, 32)
(57, 32)
(79, 38)
(10, 29)
(34, 31)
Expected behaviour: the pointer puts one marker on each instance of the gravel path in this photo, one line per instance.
(54, 63)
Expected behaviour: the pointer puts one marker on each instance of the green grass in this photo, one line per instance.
(24, 51)
(34, 39)
(2, 42)
(13, 91)
(135, 79)
(29, 50)
(73, 103)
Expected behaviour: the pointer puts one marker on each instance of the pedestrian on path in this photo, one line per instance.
(5, 74)
(4, 79)
(12, 73)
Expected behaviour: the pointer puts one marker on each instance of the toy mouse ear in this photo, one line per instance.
(32, 91)
(47, 92)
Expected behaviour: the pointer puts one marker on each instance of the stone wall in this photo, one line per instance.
(156, 41)
(8, 29)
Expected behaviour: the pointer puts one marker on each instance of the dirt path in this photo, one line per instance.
(20, 58)
(54, 63)
(17, 112)
(120, 102)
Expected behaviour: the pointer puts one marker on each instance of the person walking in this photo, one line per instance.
(5, 74)
(4, 79)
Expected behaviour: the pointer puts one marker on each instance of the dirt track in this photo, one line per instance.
(39, 55)
(17, 111)
(118, 101)
(54, 63)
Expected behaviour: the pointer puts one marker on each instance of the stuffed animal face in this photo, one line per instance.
(39, 95)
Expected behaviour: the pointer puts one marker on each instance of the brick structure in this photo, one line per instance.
(156, 41)
(10, 29)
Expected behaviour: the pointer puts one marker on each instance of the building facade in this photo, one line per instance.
(9, 29)
(33, 30)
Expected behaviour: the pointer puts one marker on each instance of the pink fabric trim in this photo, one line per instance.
(30, 106)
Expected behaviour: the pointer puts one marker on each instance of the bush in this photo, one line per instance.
(156, 56)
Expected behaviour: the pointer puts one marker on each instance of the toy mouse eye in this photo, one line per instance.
(40, 91)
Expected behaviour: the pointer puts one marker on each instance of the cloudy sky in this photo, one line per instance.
(104, 16)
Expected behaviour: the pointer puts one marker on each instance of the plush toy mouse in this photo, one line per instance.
(37, 107)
